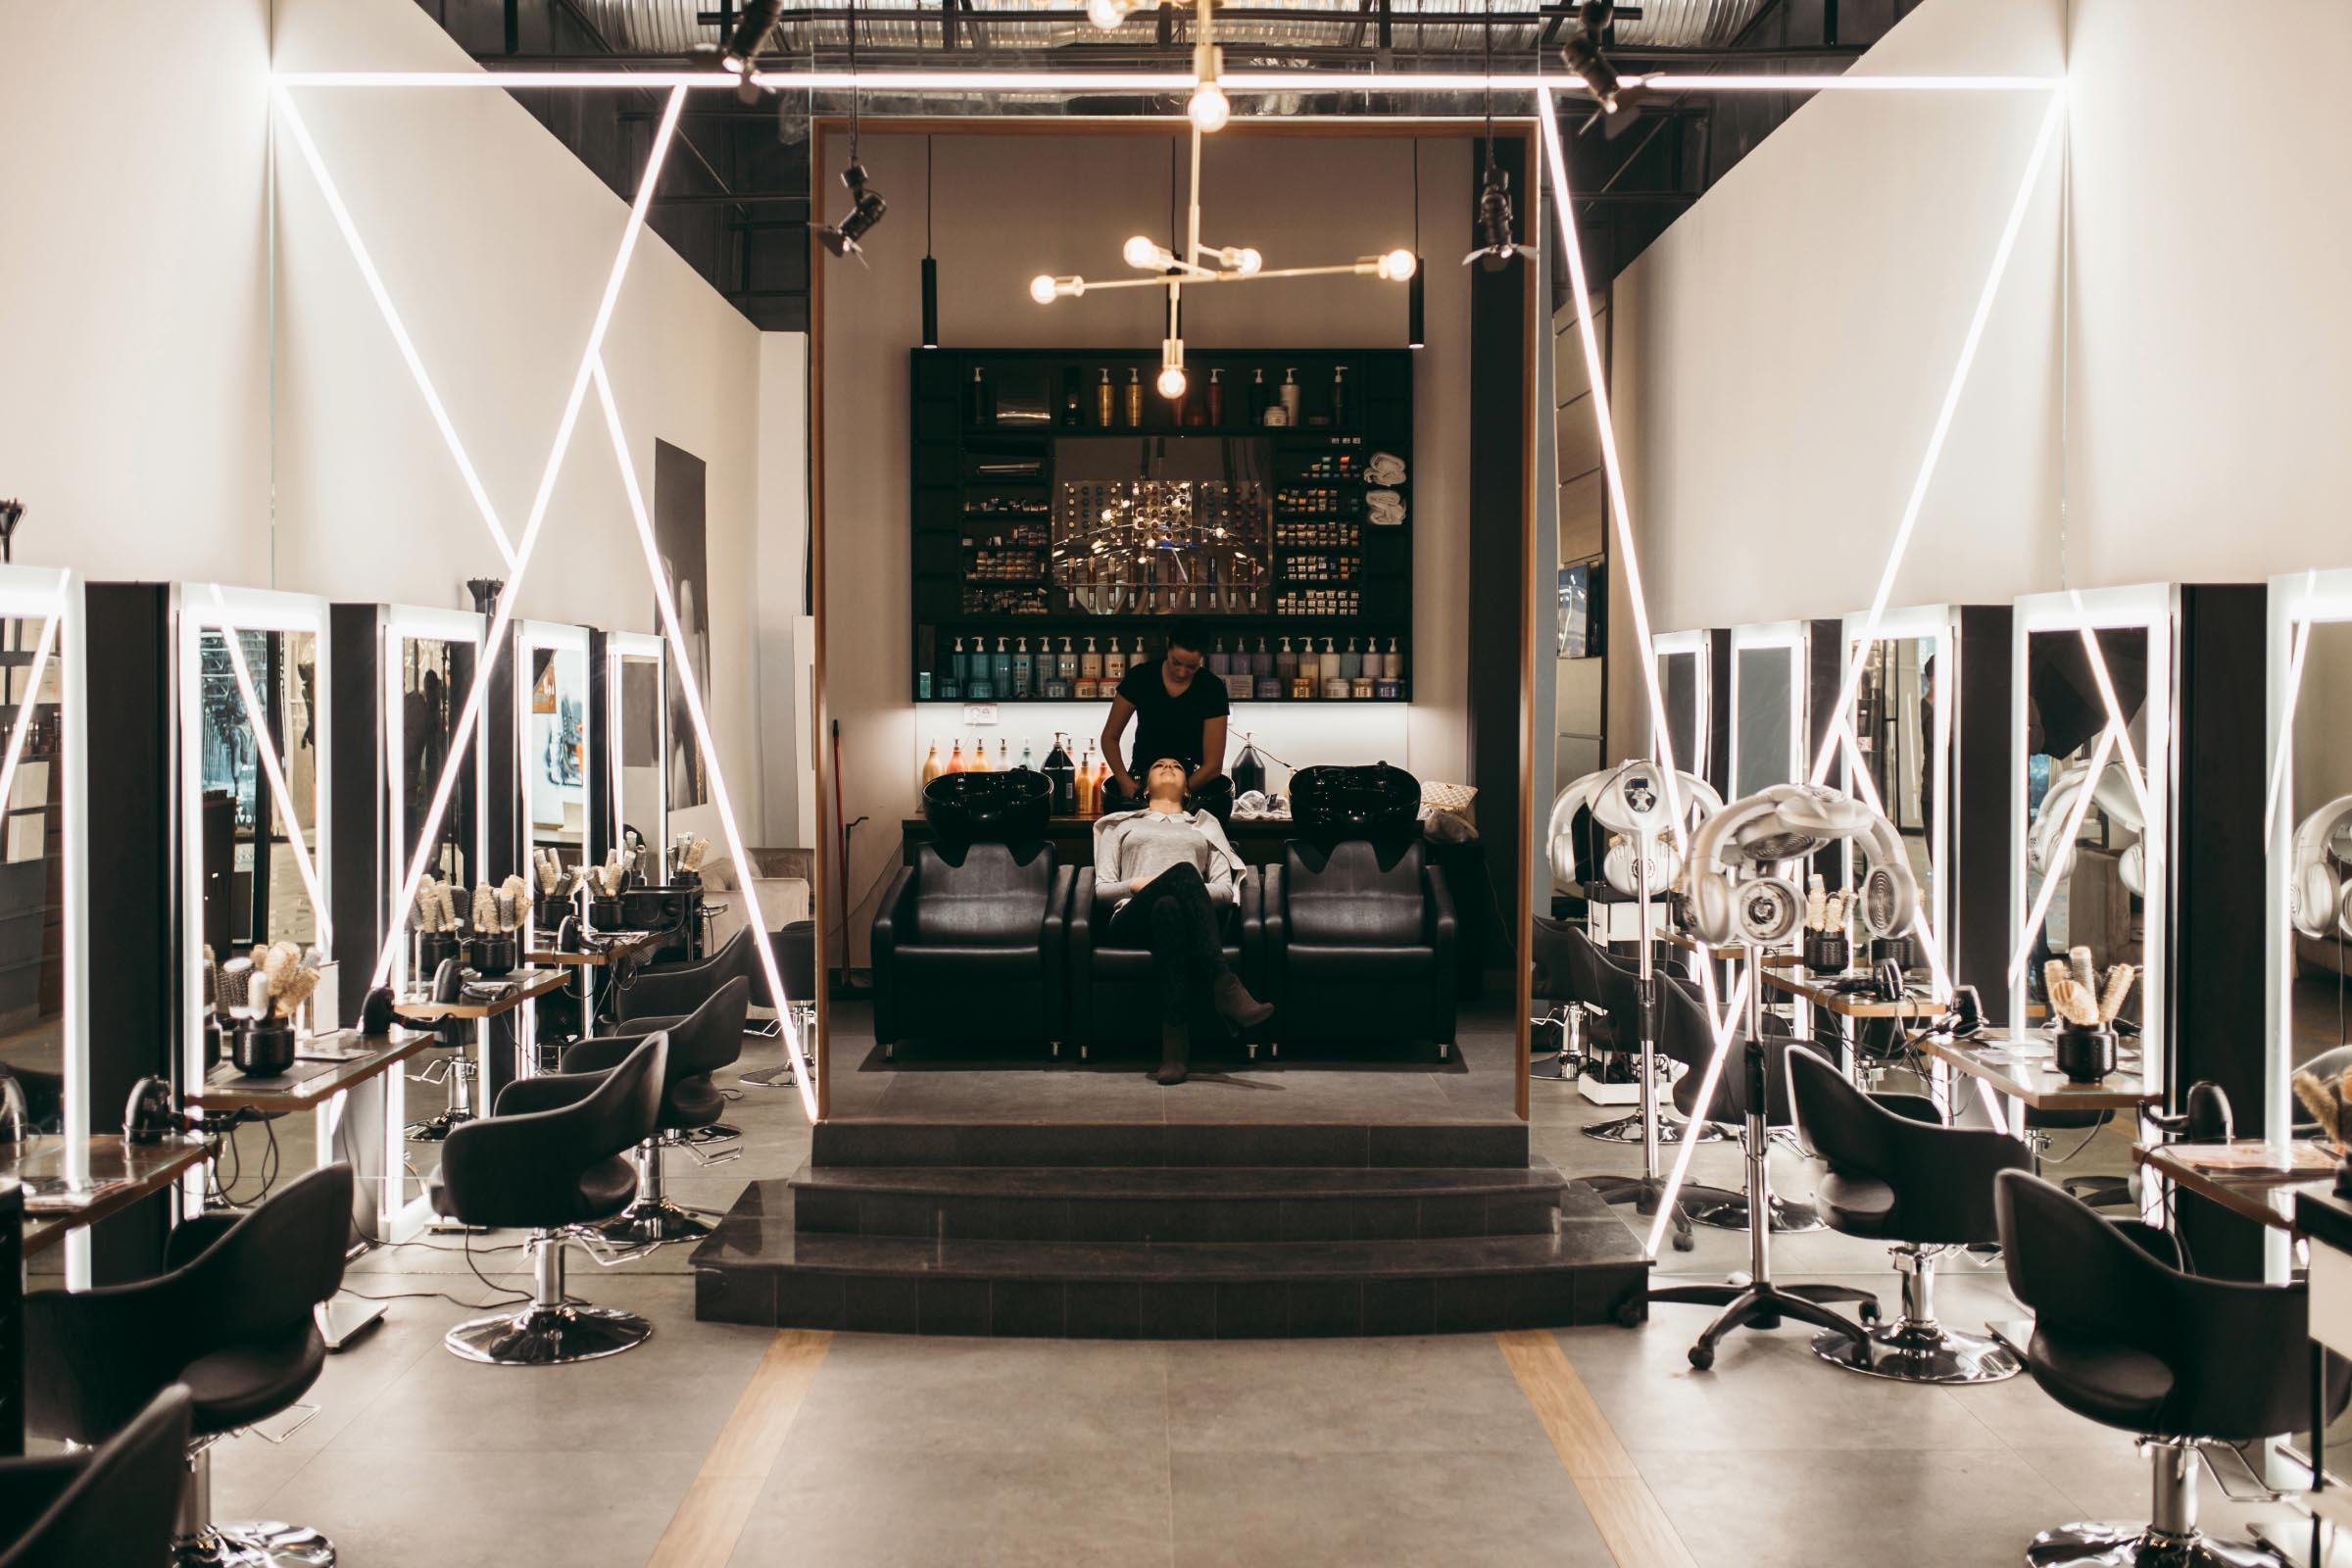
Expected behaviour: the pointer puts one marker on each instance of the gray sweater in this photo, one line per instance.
(1132, 845)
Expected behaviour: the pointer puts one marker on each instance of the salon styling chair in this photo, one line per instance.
(796, 962)
(233, 1317)
(1358, 929)
(1560, 986)
(967, 939)
(1897, 1174)
(111, 1504)
(2124, 1337)
(549, 1161)
(699, 1044)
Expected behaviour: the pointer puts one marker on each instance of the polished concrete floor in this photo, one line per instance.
(714, 1445)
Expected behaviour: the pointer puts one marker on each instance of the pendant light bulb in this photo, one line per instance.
(1399, 266)
(1106, 13)
(1171, 369)
(1209, 108)
(1141, 251)
(1043, 288)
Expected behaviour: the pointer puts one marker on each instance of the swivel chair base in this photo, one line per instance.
(1671, 1130)
(550, 1331)
(261, 1544)
(1909, 1353)
(1728, 1211)
(1764, 1305)
(2124, 1546)
(644, 1224)
(435, 1129)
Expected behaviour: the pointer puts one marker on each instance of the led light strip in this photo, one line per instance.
(492, 639)
(1841, 716)
(400, 332)
(959, 84)
(1724, 1024)
(2049, 873)
(2116, 719)
(31, 700)
(266, 752)
(804, 1071)
(2303, 617)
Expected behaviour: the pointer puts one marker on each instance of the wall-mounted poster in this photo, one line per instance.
(683, 540)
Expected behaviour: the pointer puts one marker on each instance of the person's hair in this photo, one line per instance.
(1185, 633)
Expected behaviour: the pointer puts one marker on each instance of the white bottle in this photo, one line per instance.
(1289, 397)
(1395, 668)
(1090, 662)
(1331, 662)
(1114, 663)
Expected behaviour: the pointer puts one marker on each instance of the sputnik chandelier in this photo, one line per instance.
(1200, 264)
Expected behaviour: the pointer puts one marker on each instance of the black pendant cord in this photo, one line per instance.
(851, 15)
(927, 226)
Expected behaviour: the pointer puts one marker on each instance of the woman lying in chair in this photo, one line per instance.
(1169, 871)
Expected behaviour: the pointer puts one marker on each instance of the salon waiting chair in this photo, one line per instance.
(111, 1504)
(2124, 1337)
(1897, 1174)
(699, 1044)
(549, 1160)
(233, 1317)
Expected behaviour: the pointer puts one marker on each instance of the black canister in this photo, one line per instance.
(495, 954)
(1827, 952)
(2085, 1056)
(261, 1048)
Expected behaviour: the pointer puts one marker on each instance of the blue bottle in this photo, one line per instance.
(999, 669)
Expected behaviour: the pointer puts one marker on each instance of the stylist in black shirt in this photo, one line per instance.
(1177, 711)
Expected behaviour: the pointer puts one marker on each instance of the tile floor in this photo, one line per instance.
(1360, 1452)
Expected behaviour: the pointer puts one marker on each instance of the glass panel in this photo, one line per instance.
(2100, 897)
(1176, 525)
(640, 747)
(434, 676)
(32, 979)
(1894, 732)
(1767, 695)
(2320, 1004)
(254, 889)
(1678, 677)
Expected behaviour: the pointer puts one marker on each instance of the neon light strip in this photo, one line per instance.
(266, 752)
(492, 643)
(958, 84)
(689, 687)
(2117, 722)
(27, 703)
(2286, 729)
(400, 332)
(1723, 1025)
(1944, 424)
(2049, 873)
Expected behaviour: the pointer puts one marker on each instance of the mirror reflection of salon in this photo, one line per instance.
(1894, 735)
(1767, 739)
(1683, 678)
(640, 744)
(254, 892)
(555, 769)
(2320, 998)
(2100, 900)
(434, 676)
(32, 979)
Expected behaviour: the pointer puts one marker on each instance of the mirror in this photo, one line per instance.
(1900, 744)
(1683, 679)
(554, 733)
(2309, 832)
(2091, 715)
(637, 717)
(1767, 709)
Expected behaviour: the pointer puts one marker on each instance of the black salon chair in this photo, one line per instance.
(233, 1317)
(113, 1504)
(1360, 944)
(1112, 997)
(796, 964)
(550, 1161)
(2124, 1337)
(1685, 1036)
(1897, 1174)
(1559, 985)
(965, 943)
(659, 994)
(701, 1044)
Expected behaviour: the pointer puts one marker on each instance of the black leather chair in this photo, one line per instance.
(699, 1044)
(1112, 997)
(659, 995)
(967, 941)
(2124, 1337)
(1359, 944)
(114, 1505)
(550, 1161)
(1897, 1174)
(796, 962)
(232, 1319)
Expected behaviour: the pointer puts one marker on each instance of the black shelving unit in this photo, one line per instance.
(988, 456)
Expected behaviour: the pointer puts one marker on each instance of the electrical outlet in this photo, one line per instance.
(979, 712)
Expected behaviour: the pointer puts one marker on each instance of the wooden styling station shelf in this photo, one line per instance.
(308, 1084)
(120, 1175)
(528, 985)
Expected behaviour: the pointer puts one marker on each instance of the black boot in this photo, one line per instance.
(1175, 1046)
(1237, 1007)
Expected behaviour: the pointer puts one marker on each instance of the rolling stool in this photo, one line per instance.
(1897, 1174)
(233, 1318)
(708, 1040)
(549, 1161)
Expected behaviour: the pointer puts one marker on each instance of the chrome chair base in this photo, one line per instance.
(1671, 1130)
(2125, 1546)
(548, 1336)
(1910, 1352)
(1729, 1212)
(261, 1544)
(644, 1223)
(435, 1129)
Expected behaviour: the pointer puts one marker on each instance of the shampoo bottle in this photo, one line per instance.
(1114, 664)
(1090, 662)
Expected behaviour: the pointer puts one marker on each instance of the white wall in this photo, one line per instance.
(1008, 208)
(134, 278)
(495, 244)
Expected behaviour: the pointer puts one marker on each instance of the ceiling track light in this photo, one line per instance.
(739, 56)
(1497, 226)
(866, 208)
(1614, 96)
(1107, 14)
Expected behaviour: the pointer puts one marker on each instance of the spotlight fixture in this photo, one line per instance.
(740, 54)
(866, 208)
(1615, 95)
(1108, 14)
(1497, 248)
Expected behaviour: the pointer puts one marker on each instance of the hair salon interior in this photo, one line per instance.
(1244, 781)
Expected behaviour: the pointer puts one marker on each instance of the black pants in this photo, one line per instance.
(1181, 925)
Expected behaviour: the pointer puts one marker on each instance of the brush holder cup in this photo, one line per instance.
(1827, 952)
(2084, 1055)
(605, 915)
(2343, 1176)
(262, 1047)
(434, 946)
(495, 955)
(1899, 949)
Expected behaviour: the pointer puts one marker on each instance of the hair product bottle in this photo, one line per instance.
(1339, 395)
(1003, 755)
(1024, 668)
(1135, 398)
(1000, 670)
(1062, 778)
(1220, 662)
(1114, 664)
(1084, 783)
(1090, 662)
(980, 754)
(956, 761)
(1285, 663)
(1103, 401)
(931, 770)
(1260, 397)
(1396, 662)
(1352, 664)
(1216, 397)
(1290, 395)
(1068, 665)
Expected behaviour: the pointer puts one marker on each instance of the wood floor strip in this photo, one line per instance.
(1624, 1510)
(703, 1533)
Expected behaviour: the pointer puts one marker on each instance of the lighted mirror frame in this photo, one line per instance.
(53, 597)
(1940, 625)
(2298, 601)
(1771, 636)
(201, 608)
(530, 637)
(1663, 645)
(397, 624)
(2148, 607)
(619, 648)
